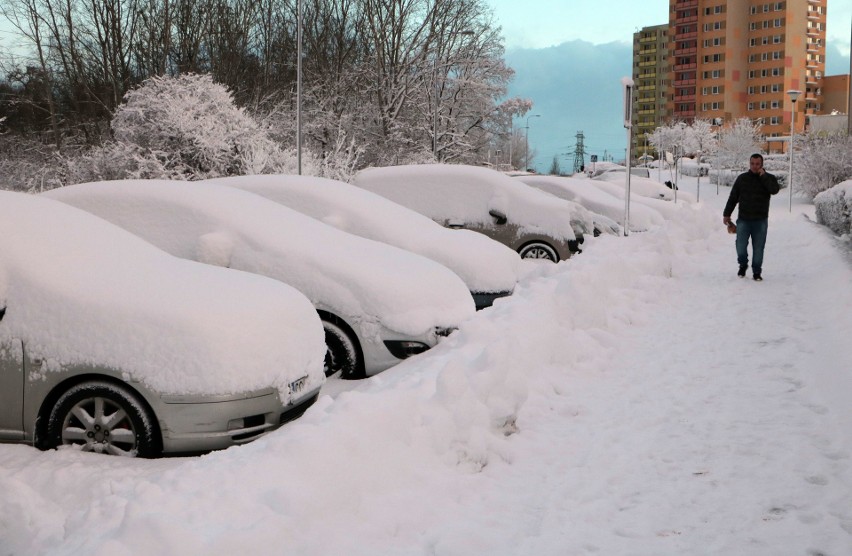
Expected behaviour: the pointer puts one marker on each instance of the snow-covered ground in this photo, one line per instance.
(636, 399)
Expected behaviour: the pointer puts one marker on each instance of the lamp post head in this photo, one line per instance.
(794, 94)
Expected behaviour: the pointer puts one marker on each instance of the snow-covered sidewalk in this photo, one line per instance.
(638, 399)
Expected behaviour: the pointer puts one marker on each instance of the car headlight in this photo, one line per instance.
(403, 349)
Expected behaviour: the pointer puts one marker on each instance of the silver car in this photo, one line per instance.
(536, 225)
(110, 345)
(489, 268)
(378, 304)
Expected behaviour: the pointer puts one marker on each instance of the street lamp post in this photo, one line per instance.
(299, 88)
(794, 96)
(527, 142)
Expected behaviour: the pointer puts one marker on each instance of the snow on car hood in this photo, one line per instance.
(475, 191)
(482, 263)
(351, 276)
(585, 193)
(79, 290)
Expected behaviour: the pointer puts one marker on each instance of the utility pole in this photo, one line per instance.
(579, 153)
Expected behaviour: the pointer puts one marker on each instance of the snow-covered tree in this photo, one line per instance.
(675, 138)
(554, 167)
(737, 143)
(192, 126)
(822, 161)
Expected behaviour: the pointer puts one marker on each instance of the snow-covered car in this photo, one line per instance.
(645, 187)
(113, 346)
(536, 225)
(834, 208)
(599, 202)
(665, 209)
(378, 304)
(489, 269)
(621, 171)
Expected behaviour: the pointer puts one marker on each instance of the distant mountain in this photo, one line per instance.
(575, 86)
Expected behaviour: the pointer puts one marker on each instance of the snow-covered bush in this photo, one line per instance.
(821, 161)
(834, 208)
(190, 126)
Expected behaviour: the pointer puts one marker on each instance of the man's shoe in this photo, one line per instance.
(758, 278)
(741, 271)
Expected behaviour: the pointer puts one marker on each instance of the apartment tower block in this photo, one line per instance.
(731, 59)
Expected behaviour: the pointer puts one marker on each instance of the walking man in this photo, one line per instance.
(752, 191)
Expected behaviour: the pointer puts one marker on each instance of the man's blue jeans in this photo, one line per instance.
(756, 230)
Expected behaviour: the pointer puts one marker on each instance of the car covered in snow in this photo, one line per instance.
(644, 187)
(536, 225)
(110, 345)
(599, 202)
(489, 268)
(378, 304)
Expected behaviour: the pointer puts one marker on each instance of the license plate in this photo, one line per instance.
(298, 385)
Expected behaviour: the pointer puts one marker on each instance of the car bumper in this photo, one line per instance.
(190, 426)
(378, 356)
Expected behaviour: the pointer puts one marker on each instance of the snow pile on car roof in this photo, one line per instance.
(79, 290)
(468, 193)
(482, 263)
(214, 223)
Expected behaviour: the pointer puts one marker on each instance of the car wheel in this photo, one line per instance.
(538, 250)
(342, 354)
(102, 417)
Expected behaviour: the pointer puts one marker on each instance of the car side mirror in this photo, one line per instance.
(499, 217)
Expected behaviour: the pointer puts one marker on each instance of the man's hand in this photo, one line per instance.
(762, 171)
(726, 220)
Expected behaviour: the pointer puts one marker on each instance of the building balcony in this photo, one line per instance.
(647, 88)
(684, 113)
(683, 83)
(647, 39)
(685, 98)
(684, 67)
(686, 36)
(685, 51)
(647, 64)
(686, 19)
(686, 4)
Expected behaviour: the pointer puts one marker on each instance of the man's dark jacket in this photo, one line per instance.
(752, 192)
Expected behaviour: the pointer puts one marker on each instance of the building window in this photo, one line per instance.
(751, 106)
(774, 120)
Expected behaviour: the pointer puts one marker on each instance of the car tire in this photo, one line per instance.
(342, 356)
(538, 250)
(102, 417)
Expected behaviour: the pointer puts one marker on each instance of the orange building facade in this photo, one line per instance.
(737, 58)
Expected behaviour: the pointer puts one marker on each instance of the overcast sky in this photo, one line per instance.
(569, 58)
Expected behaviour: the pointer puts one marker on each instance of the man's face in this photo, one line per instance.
(755, 164)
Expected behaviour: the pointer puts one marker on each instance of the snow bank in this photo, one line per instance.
(78, 290)
(467, 193)
(834, 208)
(350, 275)
(484, 264)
